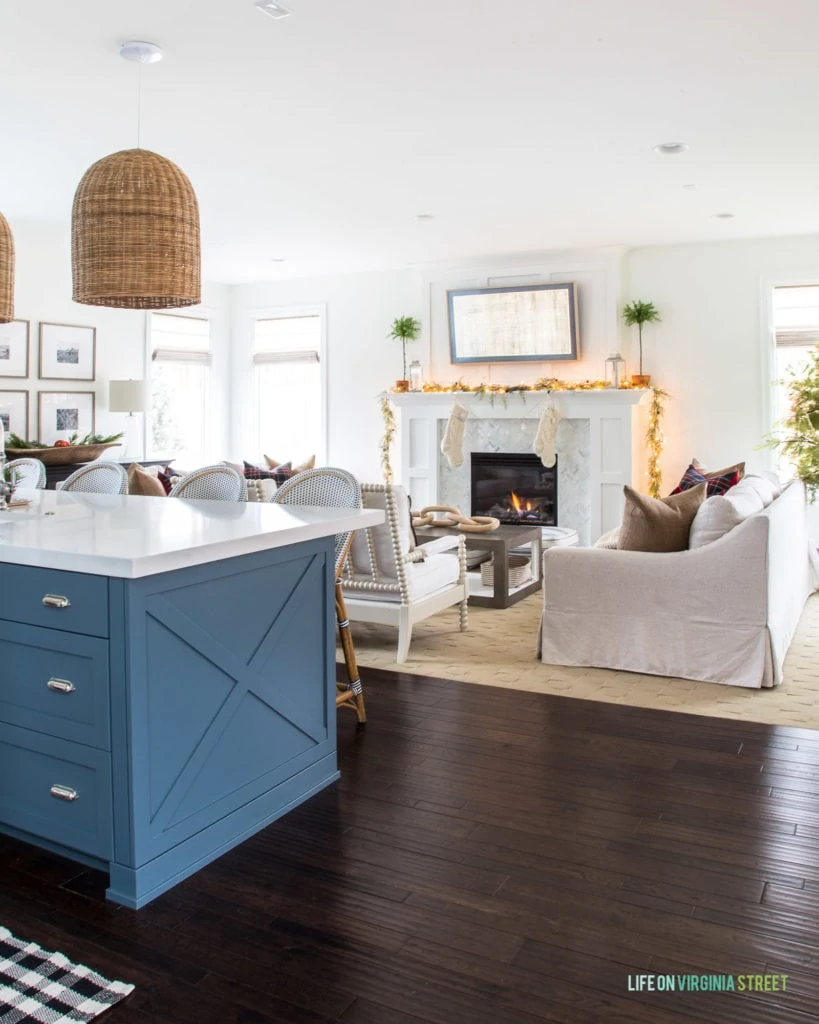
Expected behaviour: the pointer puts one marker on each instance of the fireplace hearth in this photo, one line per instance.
(515, 488)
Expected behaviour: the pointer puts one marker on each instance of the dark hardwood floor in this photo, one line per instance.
(490, 857)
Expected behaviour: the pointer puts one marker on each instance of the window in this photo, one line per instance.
(796, 332)
(796, 327)
(180, 387)
(288, 386)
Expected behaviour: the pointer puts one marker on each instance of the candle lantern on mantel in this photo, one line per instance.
(615, 371)
(416, 376)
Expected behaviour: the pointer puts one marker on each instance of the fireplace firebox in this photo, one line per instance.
(517, 489)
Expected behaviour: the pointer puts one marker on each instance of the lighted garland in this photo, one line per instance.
(387, 438)
(654, 434)
(541, 384)
(654, 442)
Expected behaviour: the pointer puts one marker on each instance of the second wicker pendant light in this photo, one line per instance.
(6, 272)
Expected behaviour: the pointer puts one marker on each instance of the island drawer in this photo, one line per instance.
(73, 601)
(56, 790)
(55, 682)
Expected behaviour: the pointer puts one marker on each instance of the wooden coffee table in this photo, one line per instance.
(499, 542)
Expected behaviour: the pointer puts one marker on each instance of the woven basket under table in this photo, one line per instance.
(520, 571)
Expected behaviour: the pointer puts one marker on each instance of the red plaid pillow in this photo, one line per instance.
(164, 477)
(279, 474)
(718, 483)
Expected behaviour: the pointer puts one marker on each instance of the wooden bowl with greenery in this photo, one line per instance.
(85, 450)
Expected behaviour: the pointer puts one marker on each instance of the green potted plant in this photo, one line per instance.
(798, 438)
(404, 329)
(640, 313)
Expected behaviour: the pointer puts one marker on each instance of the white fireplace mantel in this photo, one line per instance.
(616, 446)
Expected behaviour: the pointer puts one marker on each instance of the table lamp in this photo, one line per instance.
(129, 396)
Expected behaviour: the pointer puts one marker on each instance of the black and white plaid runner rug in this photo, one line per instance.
(36, 985)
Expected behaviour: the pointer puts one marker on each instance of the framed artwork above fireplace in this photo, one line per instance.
(528, 323)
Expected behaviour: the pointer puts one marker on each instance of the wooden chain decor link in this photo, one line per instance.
(454, 519)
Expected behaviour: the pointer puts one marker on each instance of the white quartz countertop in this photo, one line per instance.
(132, 536)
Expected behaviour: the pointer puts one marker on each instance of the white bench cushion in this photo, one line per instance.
(423, 578)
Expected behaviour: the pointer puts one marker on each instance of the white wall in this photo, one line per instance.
(708, 351)
(712, 349)
(43, 293)
(361, 361)
(597, 275)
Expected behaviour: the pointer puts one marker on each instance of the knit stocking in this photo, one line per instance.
(544, 444)
(453, 443)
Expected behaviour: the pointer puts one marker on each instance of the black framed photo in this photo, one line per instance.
(14, 412)
(14, 349)
(67, 352)
(527, 323)
(61, 414)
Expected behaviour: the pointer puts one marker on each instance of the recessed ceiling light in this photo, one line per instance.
(273, 10)
(724, 216)
(140, 52)
(670, 148)
(425, 216)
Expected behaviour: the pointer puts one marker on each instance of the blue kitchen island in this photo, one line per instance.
(167, 676)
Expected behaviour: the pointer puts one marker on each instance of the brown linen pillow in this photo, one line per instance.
(659, 524)
(141, 482)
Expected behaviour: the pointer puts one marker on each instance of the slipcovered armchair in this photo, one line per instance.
(391, 580)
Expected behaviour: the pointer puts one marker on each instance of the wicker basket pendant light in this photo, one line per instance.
(135, 241)
(6, 272)
(135, 234)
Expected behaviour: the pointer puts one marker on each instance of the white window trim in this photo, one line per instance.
(286, 313)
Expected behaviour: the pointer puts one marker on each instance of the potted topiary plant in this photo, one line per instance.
(640, 313)
(798, 438)
(404, 329)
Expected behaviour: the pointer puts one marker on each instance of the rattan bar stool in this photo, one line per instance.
(98, 478)
(333, 488)
(211, 483)
(28, 473)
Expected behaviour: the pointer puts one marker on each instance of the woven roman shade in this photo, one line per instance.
(6, 272)
(135, 240)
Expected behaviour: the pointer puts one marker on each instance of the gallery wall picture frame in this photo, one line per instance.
(520, 323)
(61, 414)
(14, 348)
(14, 412)
(68, 352)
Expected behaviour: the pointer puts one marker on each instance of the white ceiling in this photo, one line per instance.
(522, 125)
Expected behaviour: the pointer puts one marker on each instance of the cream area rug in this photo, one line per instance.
(499, 650)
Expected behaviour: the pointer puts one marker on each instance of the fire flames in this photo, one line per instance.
(519, 506)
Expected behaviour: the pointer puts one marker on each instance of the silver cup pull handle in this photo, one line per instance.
(60, 685)
(56, 601)
(64, 793)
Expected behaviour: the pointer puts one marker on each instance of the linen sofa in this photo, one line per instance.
(722, 613)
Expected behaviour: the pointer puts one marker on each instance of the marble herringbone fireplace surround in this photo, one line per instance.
(600, 447)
